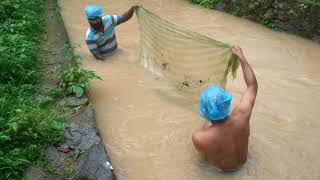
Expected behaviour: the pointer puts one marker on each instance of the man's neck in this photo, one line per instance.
(100, 29)
(218, 121)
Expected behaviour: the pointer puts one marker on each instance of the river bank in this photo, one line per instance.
(47, 128)
(79, 155)
(296, 17)
(28, 122)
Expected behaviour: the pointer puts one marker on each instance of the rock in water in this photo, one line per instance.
(221, 6)
(94, 165)
(81, 132)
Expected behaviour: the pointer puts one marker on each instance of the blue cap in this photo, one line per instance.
(93, 11)
(215, 103)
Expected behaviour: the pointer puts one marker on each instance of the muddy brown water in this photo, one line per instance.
(147, 127)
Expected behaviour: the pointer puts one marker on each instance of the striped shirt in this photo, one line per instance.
(106, 42)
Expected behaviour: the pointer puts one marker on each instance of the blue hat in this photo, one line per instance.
(215, 103)
(93, 11)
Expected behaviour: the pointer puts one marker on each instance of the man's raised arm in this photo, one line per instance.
(249, 96)
(128, 15)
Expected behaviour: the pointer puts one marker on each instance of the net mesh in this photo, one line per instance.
(187, 59)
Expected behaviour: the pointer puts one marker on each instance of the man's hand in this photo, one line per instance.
(135, 7)
(238, 51)
(128, 15)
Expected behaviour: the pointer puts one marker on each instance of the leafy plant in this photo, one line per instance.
(206, 3)
(18, 61)
(209, 3)
(75, 79)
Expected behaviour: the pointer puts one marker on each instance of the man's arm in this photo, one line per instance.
(128, 15)
(249, 96)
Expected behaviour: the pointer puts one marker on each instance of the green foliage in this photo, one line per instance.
(27, 125)
(20, 9)
(75, 80)
(209, 3)
(18, 59)
(21, 17)
(20, 30)
(27, 122)
(206, 3)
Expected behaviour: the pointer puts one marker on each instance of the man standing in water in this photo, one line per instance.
(100, 38)
(224, 139)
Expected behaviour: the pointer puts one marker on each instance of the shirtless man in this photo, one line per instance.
(224, 139)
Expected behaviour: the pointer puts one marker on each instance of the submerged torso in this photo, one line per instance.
(104, 41)
(226, 145)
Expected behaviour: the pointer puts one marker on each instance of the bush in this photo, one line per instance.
(27, 122)
(76, 80)
(27, 125)
(18, 60)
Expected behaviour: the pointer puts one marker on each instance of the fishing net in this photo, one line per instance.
(187, 59)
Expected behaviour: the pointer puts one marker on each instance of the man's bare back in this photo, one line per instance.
(225, 142)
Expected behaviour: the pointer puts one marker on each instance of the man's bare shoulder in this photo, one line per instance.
(205, 137)
(239, 115)
(240, 124)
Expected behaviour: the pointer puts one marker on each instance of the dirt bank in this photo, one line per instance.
(81, 155)
(297, 17)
